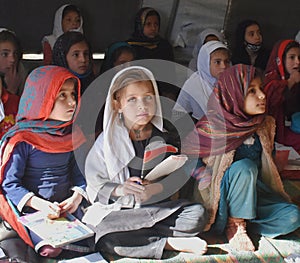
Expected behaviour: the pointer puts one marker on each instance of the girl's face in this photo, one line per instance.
(65, 102)
(124, 57)
(255, 100)
(8, 56)
(70, 21)
(253, 35)
(137, 104)
(78, 57)
(292, 60)
(151, 26)
(219, 61)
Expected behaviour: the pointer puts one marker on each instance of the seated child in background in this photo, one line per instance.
(73, 51)
(146, 40)
(213, 59)
(282, 87)
(118, 53)
(38, 169)
(67, 18)
(132, 120)
(235, 141)
(10, 62)
(249, 48)
(206, 35)
(9, 104)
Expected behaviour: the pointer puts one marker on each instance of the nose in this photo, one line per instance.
(141, 104)
(71, 101)
(261, 95)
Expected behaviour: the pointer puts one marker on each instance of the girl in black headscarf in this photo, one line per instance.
(146, 39)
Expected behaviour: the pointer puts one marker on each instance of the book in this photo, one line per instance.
(57, 232)
(167, 166)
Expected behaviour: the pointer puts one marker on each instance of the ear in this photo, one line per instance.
(117, 106)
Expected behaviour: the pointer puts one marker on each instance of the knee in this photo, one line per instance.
(244, 170)
(197, 216)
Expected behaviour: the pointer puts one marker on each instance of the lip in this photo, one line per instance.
(83, 68)
(143, 114)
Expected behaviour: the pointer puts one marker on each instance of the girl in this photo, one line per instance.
(213, 59)
(146, 40)
(118, 53)
(239, 182)
(9, 104)
(38, 169)
(249, 47)
(282, 87)
(206, 35)
(73, 51)
(67, 18)
(132, 119)
(10, 62)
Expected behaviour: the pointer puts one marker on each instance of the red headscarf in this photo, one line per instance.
(226, 126)
(41, 89)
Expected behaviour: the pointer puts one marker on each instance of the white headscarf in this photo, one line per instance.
(199, 86)
(57, 27)
(199, 43)
(117, 145)
(297, 38)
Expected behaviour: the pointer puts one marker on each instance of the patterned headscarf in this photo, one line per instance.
(32, 126)
(226, 125)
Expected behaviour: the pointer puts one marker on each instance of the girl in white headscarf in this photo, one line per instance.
(67, 18)
(205, 36)
(213, 58)
(132, 120)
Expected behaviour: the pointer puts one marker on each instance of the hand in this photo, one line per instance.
(293, 79)
(71, 204)
(132, 185)
(51, 210)
(150, 190)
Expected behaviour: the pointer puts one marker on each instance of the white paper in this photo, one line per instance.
(95, 258)
(96, 212)
(167, 166)
(2, 254)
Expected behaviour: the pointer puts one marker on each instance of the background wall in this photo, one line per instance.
(105, 21)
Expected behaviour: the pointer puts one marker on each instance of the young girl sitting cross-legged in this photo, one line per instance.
(38, 168)
(238, 180)
(132, 121)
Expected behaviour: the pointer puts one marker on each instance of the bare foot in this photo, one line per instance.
(194, 245)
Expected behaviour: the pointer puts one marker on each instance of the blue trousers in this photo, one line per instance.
(244, 195)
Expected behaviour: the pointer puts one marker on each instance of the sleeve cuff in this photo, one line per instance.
(80, 191)
(24, 200)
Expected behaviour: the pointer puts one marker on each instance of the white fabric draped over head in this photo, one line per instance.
(118, 148)
(57, 26)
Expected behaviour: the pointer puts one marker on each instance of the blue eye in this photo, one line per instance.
(131, 99)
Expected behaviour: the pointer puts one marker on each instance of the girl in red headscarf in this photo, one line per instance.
(38, 168)
(238, 181)
(282, 87)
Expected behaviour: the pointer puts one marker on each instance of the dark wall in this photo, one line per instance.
(278, 19)
(105, 21)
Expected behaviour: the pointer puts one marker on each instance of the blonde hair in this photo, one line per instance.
(126, 78)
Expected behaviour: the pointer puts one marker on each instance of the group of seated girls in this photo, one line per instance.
(228, 152)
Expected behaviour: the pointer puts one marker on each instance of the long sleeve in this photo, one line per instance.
(14, 173)
(99, 186)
